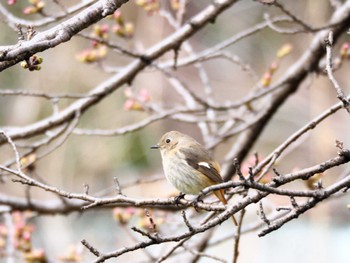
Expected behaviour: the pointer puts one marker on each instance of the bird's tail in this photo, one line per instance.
(220, 195)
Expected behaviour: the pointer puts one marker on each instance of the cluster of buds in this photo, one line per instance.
(145, 220)
(122, 28)
(98, 51)
(123, 216)
(281, 53)
(23, 238)
(36, 6)
(94, 54)
(150, 222)
(23, 232)
(33, 63)
(101, 33)
(150, 6)
(136, 101)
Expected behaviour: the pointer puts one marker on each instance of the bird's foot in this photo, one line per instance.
(178, 198)
(197, 200)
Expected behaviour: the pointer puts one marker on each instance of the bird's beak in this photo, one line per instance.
(155, 147)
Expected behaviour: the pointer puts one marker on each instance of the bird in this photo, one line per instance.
(188, 166)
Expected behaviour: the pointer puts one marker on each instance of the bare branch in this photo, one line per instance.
(301, 208)
(125, 76)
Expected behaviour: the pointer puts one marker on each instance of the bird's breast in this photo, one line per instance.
(184, 177)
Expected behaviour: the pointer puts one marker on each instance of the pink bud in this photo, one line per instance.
(105, 28)
(29, 10)
(129, 104)
(345, 45)
(144, 95)
(266, 79)
(273, 66)
(26, 235)
(130, 210)
(344, 50)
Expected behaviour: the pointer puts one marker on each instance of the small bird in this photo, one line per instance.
(188, 166)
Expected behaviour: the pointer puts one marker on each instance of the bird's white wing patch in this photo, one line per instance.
(204, 164)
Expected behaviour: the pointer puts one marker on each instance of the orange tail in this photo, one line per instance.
(220, 195)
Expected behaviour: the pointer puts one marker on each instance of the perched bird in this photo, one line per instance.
(188, 166)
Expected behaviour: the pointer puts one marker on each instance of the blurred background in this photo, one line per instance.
(321, 235)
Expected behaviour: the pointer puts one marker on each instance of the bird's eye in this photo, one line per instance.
(167, 140)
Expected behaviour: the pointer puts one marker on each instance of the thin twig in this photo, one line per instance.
(262, 214)
(117, 186)
(188, 224)
(91, 248)
(238, 236)
(329, 68)
(14, 148)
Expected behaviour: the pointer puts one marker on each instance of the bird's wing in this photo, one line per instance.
(203, 163)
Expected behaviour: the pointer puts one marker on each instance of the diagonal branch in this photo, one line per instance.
(287, 85)
(10, 55)
(125, 76)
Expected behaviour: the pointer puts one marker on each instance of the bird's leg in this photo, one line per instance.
(179, 197)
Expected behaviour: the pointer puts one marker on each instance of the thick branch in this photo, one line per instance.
(10, 55)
